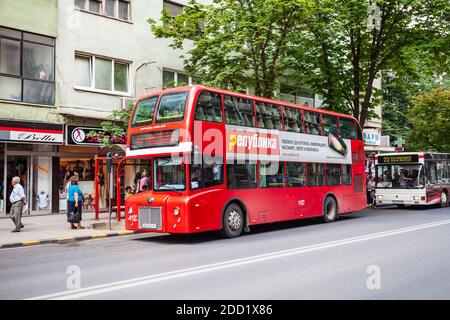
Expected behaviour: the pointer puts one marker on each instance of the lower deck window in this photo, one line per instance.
(207, 174)
(315, 174)
(296, 174)
(271, 175)
(333, 174)
(241, 175)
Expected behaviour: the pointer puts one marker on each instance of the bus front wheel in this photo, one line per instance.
(233, 221)
(330, 210)
(444, 199)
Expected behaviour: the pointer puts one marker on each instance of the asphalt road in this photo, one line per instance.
(383, 253)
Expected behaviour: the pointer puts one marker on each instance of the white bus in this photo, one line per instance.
(412, 178)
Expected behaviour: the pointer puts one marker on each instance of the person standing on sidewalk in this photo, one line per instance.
(18, 200)
(75, 203)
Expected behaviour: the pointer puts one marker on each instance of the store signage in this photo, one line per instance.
(31, 132)
(372, 137)
(79, 136)
(398, 158)
(261, 144)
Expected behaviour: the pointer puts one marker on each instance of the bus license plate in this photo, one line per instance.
(149, 225)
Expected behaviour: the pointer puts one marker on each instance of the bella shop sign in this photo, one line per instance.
(31, 132)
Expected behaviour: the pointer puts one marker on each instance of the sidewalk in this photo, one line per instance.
(54, 228)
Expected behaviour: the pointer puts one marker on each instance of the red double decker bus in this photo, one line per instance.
(220, 160)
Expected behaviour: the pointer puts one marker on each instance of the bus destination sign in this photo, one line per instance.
(399, 158)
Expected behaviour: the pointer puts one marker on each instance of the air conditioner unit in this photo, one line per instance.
(126, 101)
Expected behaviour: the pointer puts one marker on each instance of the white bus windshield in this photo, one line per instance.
(400, 176)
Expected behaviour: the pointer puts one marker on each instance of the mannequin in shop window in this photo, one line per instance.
(101, 186)
(42, 199)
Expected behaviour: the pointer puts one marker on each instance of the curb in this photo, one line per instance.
(63, 240)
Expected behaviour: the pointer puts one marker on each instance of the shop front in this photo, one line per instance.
(29, 150)
(79, 142)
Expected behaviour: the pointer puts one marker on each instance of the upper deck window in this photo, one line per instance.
(312, 122)
(268, 116)
(171, 107)
(209, 107)
(239, 111)
(347, 128)
(144, 111)
(293, 120)
(330, 123)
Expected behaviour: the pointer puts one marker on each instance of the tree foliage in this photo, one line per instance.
(430, 119)
(115, 126)
(338, 47)
(237, 43)
(347, 44)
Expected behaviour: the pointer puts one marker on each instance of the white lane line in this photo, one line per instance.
(135, 282)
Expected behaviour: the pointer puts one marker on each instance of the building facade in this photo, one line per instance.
(65, 65)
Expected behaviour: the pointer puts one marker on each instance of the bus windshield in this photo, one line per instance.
(169, 174)
(400, 176)
(171, 107)
(144, 111)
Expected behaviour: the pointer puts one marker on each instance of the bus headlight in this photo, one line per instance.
(380, 197)
(130, 210)
(176, 211)
(416, 198)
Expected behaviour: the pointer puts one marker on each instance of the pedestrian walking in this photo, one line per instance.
(18, 200)
(74, 204)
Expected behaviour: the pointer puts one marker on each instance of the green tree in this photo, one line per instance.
(347, 44)
(115, 126)
(398, 93)
(237, 43)
(430, 119)
(338, 47)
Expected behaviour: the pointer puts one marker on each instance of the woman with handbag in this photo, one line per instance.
(74, 204)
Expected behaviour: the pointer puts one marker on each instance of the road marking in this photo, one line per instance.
(125, 284)
(30, 243)
(100, 235)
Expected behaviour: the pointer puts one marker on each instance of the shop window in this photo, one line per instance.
(241, 175)
(239, 111)
(296, 174)
(293, 120)
(315, 174)
(312, 122)
(271, 175)
(207, 174)
(268, 116)
(330, 124)
(333, 174)
(347, 174)
(347, 128)
(209, 107)
(27, 67)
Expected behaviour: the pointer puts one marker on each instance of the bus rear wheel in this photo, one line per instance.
(330, 209)
(444, 199)
(233, 221)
